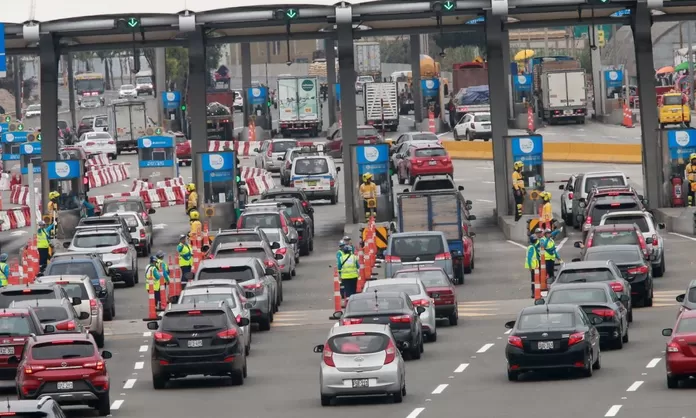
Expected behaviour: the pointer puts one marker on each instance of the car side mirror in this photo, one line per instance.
(242, 322)
(624, 298)
(109, 264)
(597, 320)
(510, 324)
(577, 244)
(76, 301)
(461, 189)
(205, 248)
(279, 256)
(472, 234)
(83, 316)
(680, 298)
(13, 360)
(48, 329)
(575, 260)
(135, 241)
(270, 272)
(281, 158)
(338, 169)
(292, 240)
(174, 299)
(539, 302)
(102, 294)
(256, 150)
(249, 295)
(106, 355)
(337, 315)
(661, 226)
(561, 187)
(131, 229)
(641, 197)
(667, 332)
(248, 305)
(318, 348)
(153, 325)
(472, 217)
(66, 245)
(151, 211)
(275, 246)
(649, 240)
(420, 309)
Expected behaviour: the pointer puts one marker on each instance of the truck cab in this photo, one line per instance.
(673, 109)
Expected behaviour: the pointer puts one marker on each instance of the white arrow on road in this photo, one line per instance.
(18, 233)
(159, 226)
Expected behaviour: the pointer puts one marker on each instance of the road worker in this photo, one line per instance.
(43, 244)
(691, 177)
(196, 226)
(4, 270)
(348, 269)
(185, 257)
(192, 201)
(52, 208)
(546, 210)
(531, 261)
(163, 266)
(342, 243)
(153, 276)
(548, 246)
(518, 188)
(368, 192)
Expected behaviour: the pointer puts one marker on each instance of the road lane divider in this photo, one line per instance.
(613, 411)
(461, 367)
(415, 413)
(116, 405)
(439, 389)
(129, 384)
(634, 386)
(485, 348)
(653, 363)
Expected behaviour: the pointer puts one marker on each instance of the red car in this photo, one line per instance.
(439, 287)
(334, 144)
(423, 160)
(183, 148)
(680, 354)
(17, 325)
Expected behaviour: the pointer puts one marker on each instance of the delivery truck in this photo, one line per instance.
(368, 59)
(563, 96)
(381, 106)
(298, 106)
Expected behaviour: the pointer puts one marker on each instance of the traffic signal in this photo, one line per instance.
(8, 118)
(287, 14)
(38, 136)
(601, 41)
(183, 108)
(598, 2)
(154, 131)
(444, 6)
(20, 127)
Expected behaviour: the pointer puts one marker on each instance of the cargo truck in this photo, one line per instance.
(381, 106)
(563, 96)
(472, 99)
(368, 61)
(298, 106)
(467, 74)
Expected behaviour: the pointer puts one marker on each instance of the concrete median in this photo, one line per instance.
(554, 151)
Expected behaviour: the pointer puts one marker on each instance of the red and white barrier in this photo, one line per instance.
(248, 172)
(259, 184)
(101, 176)
(19, 195)
(153, 198)
(242, 148)
(139, 185)
(96, 161)
(14, 218)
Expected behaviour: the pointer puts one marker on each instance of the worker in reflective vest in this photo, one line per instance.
(43, 244)
(348, 271)
(163, 267)
(185, 258)
(152, 276)
(531, 261)
(4, 270)
(548, 245)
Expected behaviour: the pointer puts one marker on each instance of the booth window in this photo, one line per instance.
(12, 148)
(156, 154)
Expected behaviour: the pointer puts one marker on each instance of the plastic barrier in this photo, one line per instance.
(19, 195)
(14, 218)
(248, 172)
(101, 176)
(139, 185)
(153, 198)
(96, 161)
(259, 184)
(242, 148)
(555, 151)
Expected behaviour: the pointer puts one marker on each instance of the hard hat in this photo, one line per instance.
(194, 215)
(42, 223)
(53, 195)
(153, 259)
(160, 254)
(341, 243)
(367, 176)
(546, 195)
(183, 236)
(347, 238)
(3, 257)
(692, 156)
(536, 231)
(518, 164)
(191, 187)
(547, 231)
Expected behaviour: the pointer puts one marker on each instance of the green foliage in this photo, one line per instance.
(455, 55)
(460, 39)
(395, 51)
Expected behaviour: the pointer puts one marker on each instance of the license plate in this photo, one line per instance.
(312, 183)
(545, 345)
(432, 163)
(7, 351)
(195, 343)
(361, 383)
(65, 385)
(567, 112)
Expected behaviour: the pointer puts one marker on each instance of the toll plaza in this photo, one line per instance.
(259, 109)
(65, 177)
(157, 156)
(11, 145)
(220, 192)
(678, 145)
(30, 152)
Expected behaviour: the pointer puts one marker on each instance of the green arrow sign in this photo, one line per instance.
(449, 5)
(291, 13)
(158, 131)
(133, 23)
(20, 127)
(38, 137)
(8, 119)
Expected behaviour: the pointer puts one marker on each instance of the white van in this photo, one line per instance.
(317, 176)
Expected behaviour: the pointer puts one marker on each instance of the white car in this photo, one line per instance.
(567, 199)
(238, 101)
(288, 249)
(317, 176)
(473, 126)
(127, 91)
(32, 111)
(98, 143)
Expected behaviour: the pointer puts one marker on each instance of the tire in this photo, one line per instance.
(433, 337)
(453, 319)
(672, 382)
(598, 363)
(247, 349)
(513, 375)
(587, 371)
(108, 314)
(129, 280)
(265, 324)
(398, 397)
(659, 270)
(624, 339)
(333, 200)
(618, 343)
(326, 400)
(648, 301)
(456, 135)
(311, 243)
(104, 405)
(630, 315)
(159, 382)
(245, 371)
(99, 339)
(287, 276)
(304, 249)
(293, 273)
(415, 352)
(468, 136)
(237, 378)
(471, 266)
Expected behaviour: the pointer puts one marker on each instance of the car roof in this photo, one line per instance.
(591, 285)
(421, 269)
(76, 254)
(381, 294)
(552, 308)
(612, 248)
(607, 200)
(425, 145)
(73, 278)
(40, 302)
(283, 139)
(581, 265)
(604, 173)
(387, 282)
(203, 290)
(123, 199)
(242, 244)
(227, 262)
(92, 230)
(210, 282)
(20, 310)
(198, 306)
(416, 234)
(239, 231)
(612, 227)
(34, 285)
(314, 157)
(124, 213)
(626, 213)
(349, 329)
(66, 260)
(688, 313)
(76, 336)
(283, 190)
(43, 404)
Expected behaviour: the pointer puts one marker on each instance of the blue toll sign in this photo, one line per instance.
(256, 96)
(530, 150)
(63, 170)
(218, 167)
(430, 87)
(30, 152)
(171, 99)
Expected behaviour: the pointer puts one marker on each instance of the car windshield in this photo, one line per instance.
(282, 146)
(358, 343)
(578, 296)
(59, 350)
(193, 321)
(75, 290)
(51, 313)
(686, 325)
(433, 185)
(603, 181)
(545, 320)
(238, 273)
(261, 220)
(15, 326)
(241, 252)
(98, 135)
(417, 245)
(369, 305)
(7, 297)
(409, 289)
(208, 297)
(292, 211)
(672, 100)
(126, 206)
(363, 132)
(430, 278)
(130, 220)
(639, 220)
(310, 166)
(34, 107)
(601, 209)
(424, 137)
(96, 241)
(227, 238)
(614, 238)
(72, 267)
(127, 87)
(431, 152)
(618, 257)
(585, 275)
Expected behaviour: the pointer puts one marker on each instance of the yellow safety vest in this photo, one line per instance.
(517, 180)
(691, 173)
(192, 200)
(186, 250)
(196, 228)
(549, 244)
(349, 268)
(546, 212)
(42, 239)
(3, 278)
(149, 275)
(531, 261)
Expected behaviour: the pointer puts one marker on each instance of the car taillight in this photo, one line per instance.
(94, 306)
(33, 368)
(672, 348)
(282, 251)
(163, 337)
(332, 182)
(295, 220)
(269, 263)
(418, 162)
(445, 160)
(256, 288)
(421, 302)
(351, 321)
(239, 223)
(589, 241)
(292, 183)
(89, 144)
(515, 341)
(269, 153)
(576, 338)
(111, 142)
(400, 319)
(328, 356)
(588, 220)
(570, 195)
(392, 259)
(606, 313)
(304, 204)
(390, 353)
(655, 241)
(142, 233)
(122, 250)
(617, 287)
(66, 326)
(443, 256)
(228, 334)
(638, 270)
(96, 365)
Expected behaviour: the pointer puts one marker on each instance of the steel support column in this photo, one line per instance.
(596, 60)
(652, 154)
(18, 80)
(505, 47)
(48, 46)
(416, 77)
(331, 78)
(160, 83)
(197, 102)
(246, 77)
(495, 38)
(71, 92)
(349, 118)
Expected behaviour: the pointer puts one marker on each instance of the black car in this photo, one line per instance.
(393, 308)
(198, 339)
(236, 235)
(303, 223)
(552, 337)
(12, 293)
(602, 205)
(634, 268)
(597, 300)
(290, 192)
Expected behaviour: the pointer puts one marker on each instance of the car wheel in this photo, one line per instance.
(433, 336)
(624, 339)
(659, 270)
(130, 280)
(293, 273)
(630, 315)
(415, 352)
(104, 405)
(672, 382)
(304, 249)
(454, 319)
(99, 339)
(618, 343)
(311, 244)
(649, 300)
(245, 371)
(237, 378)
(326, 400)
(159, 381)
(287, 276)
(265, 323)
(513, 375)
(456, 135)
(469, 137)
(587, 371)
(108, 314)
(398, 397)
(333, 200)
(598, 363)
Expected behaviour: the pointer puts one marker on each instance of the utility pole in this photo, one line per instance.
(71, 90)
(690, 58)
(268, 59)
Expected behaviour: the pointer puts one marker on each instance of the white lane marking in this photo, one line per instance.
(517, 244)
(461, 367)
(613, 411)
(560, 245)
(129, 384)
(485, 348)
(147, 334)
(139, 365)
(439, 389)
(415, 413)
(634, 387)
(117, 404)
(488, 182)
(484, 201)
(508, 331)
(143, 348)
(653, 363)
(683, 236)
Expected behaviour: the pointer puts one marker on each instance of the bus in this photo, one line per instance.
(90, 84)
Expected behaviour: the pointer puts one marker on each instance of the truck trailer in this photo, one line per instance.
(381, 106)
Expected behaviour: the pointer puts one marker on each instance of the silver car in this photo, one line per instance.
(361, 360)
(567, 199)
(81, 287)
(257, 281)
(127, 91)
(139, 229)
(413, 249)
(288, 249)
(260, 215)
(114, 248)
(206, 291)
(415, 289)
(267, 155)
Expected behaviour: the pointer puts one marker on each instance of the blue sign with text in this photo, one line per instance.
(528, 149)
(156, 142)
(30, 148)
(156, 163)
(63, 170)
(13, 137)
(522, 82)
(4, 127)
(372, 159)
(613, 78)
(257, 96)
(30, 152)
(431, 88)
(171, 99)
(3, 58)
(681, 143)
(218, 167)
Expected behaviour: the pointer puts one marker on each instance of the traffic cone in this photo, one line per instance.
(627, 116)
(361, 270)
(537, 285)
(338, 300)
(197, 255)
(163, 294)
(542, 271)
(530, 119)
(152, 309)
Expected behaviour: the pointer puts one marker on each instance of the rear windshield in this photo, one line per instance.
(15, 326)
(310, 166)
(51, 313)
(261, 220)
(359, 343)
(75, 290)
(130, 220)
(431, 152)
(199, 320)
(430, 278)
(409, 289)
(686, 325)
(282, 195)
(223, 239)
(614, 238)
(585, 276)
(282, 146)
(127, 206)
(6, 298)
(578, 296)
(545, 320)
(424, 137)
(274, 236)
(292, 211)
(238, 273)
(96, 241)
(362, 132)
(52, 351)
(671, 100)
(433, 185)
(417, 245)
(372, 305)
(482, 118)
(602, 209)
(72, 268)
(241, 252)
(603, 181)
(617, 256)
(209, 297)
(628, 220)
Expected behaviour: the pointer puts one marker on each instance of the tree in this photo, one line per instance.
(105, 57)
(457, 39)
(177, 62)
(86, 58)
(395, 51)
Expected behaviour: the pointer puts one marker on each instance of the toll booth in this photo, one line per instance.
(373, 158)
(258, 105)
(65, 177)
(677, 146)
(530, 150)
(30, 152)
(220, 194)
(173, 110)
(157, 156)
(12, 138)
